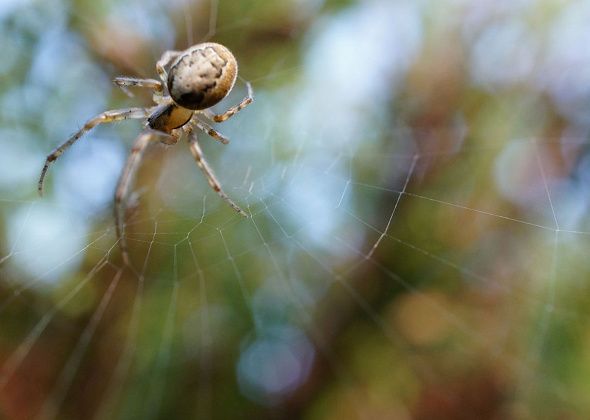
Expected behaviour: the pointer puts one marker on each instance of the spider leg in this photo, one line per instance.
(165, 60)
(207, 171)
(125, 82)
(129, 171)
(105, 117)
(234, 109)
(211, 131)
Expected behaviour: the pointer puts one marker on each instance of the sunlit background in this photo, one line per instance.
(417, 175)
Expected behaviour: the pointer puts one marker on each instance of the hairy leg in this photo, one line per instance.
(125, 181)
(234, 109)
(105, 117)
(207, 171)
(126, 82)
(206, 128)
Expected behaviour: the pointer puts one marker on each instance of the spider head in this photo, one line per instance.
(202, 76)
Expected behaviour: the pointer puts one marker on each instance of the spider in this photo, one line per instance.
(191, 82)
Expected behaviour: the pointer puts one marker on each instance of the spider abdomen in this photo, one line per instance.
(202, 76)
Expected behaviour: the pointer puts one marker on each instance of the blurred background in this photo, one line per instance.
(415, 173)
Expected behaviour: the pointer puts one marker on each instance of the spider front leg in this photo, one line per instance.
(206, 128)
(122, 191)
(105, 117)
(234, 109)
(207, 171)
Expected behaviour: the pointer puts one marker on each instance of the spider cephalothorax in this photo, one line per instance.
(191, 82)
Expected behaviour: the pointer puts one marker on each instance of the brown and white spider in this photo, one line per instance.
(191, 82)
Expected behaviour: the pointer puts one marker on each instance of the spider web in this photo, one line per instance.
(385, 267)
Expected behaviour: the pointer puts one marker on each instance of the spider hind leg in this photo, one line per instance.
(234, 109)
(124, 83)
